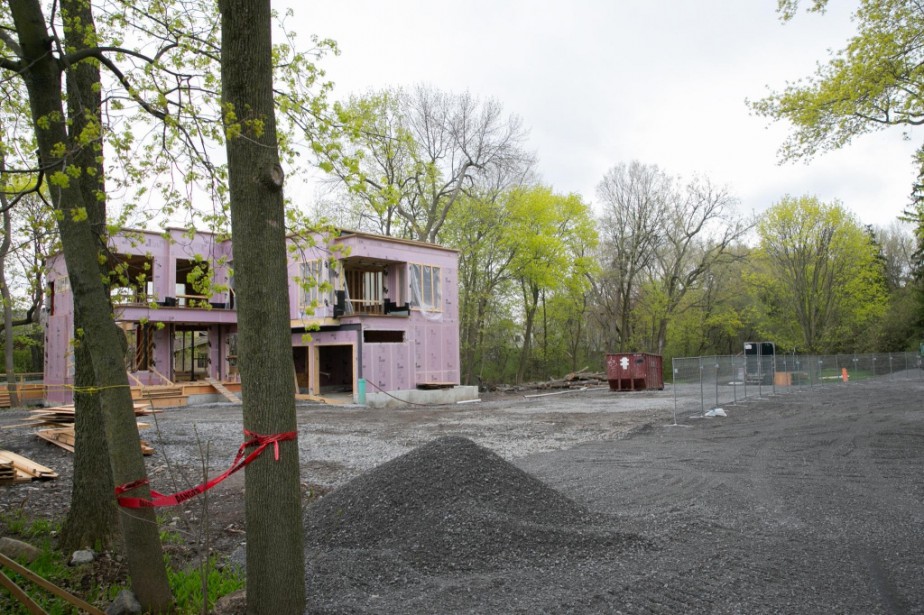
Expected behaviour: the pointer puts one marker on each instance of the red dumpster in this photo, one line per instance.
(635, 371)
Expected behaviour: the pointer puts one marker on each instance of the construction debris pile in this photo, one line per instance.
(574, 380)
(447, 507)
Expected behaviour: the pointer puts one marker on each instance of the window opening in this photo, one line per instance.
(426, 291)
(364, 291)
(131, 279)
(192, 283)
(383, 337)
(190, 354)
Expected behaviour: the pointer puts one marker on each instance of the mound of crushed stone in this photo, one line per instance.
(449, 506)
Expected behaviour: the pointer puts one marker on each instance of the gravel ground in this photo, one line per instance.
(584, 503)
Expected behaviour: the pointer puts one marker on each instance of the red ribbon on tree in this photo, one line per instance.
(240, 460)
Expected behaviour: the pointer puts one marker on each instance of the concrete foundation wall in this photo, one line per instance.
(420, 396)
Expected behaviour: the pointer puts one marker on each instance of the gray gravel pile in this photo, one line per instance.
(447, 507)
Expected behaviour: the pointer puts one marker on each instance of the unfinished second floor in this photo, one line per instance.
(178, 276)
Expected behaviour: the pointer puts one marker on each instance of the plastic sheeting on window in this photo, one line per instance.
(426, 294)
(347, 304)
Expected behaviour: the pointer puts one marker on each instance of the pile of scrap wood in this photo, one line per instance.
(60, 425)
(575, 380)
(17, 469)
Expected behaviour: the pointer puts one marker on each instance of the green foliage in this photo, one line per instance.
(817, 276)
(187, 585)
(19, 524)
(876, 81)
(50, 564)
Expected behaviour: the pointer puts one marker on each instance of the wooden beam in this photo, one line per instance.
(46, 585)
(32, 468)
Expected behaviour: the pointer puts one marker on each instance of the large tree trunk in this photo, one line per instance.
(100, 335)
(275, 555)
(92, 519)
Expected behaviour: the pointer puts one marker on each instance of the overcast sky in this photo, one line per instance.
(600, 82)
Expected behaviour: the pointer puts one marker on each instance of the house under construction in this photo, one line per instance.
(367, 312)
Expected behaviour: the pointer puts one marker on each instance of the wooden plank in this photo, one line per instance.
(66, 439)
(27, 465)
(48, 586)
(21, 595)
(166, 380)
(54, 440)
(225, 392)
(17, 425)
(18, 477)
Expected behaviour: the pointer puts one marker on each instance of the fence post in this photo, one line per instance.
(702, 394)
(674, 386)
(734, 380)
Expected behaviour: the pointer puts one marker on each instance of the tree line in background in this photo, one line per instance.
(667, 265)
(547, 286)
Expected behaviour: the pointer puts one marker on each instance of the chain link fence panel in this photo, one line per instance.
(702, 384)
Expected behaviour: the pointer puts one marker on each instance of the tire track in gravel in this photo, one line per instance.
(808, 503)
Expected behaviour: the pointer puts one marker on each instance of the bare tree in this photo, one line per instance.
(420, 150)
(636, 199)
(896, 249)
(702, 224)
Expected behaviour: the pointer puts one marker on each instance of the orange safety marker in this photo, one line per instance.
(844, 375)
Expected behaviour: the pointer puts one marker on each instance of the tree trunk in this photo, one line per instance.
(531, 299)
(92, 519)
(5, 293)
(100, 335)
(275, 554)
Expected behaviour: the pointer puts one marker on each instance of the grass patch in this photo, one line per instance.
(52, 565)
(187, 585)
(19, 524)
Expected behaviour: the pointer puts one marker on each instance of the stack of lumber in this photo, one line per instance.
(16, 468)
(60, 430)
(65, 437)
(63, 415)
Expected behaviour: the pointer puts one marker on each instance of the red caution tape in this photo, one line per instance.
(240, 460)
